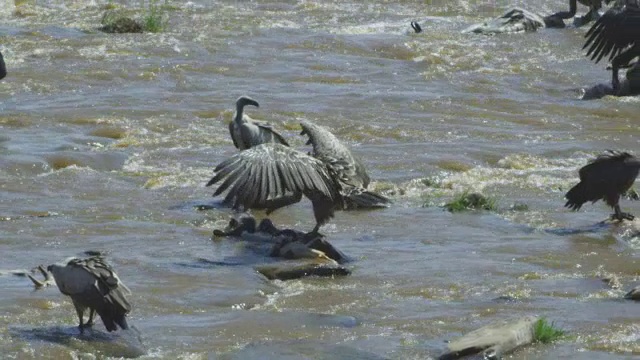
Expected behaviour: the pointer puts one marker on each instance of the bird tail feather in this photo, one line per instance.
(364, 199)
(577, 196)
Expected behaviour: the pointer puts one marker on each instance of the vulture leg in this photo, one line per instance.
(92, 315)
(592, 15)
(573, 7)
(315, 232)
(620, 61)
(619, 215)
(80, 312)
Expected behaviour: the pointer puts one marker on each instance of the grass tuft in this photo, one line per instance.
(471, 201)
(154, 20)
(545, 332)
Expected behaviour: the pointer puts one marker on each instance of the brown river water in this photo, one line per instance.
(106, 142)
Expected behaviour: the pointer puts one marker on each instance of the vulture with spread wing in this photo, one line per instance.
(270, 176)
(616, 35)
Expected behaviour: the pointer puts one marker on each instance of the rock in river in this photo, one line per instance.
(493, 340)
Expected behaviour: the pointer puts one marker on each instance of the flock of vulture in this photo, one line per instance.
(268, 174)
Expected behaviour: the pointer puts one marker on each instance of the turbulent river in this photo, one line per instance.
(106, 142)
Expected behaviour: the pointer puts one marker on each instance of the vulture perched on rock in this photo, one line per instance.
(607, 177)
(93, 284)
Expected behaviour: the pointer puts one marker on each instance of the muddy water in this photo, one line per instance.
(107, 141)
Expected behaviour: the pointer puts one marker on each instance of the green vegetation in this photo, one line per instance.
(546, 333)
(154, 20)
(470, 201)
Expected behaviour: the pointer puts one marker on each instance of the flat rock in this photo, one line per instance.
(493, 340)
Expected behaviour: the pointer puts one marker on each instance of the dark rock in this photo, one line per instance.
(628, 87)
(634, 294)
(116, 22)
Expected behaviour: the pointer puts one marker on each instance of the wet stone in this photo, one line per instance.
(117, 22)
(634, 294)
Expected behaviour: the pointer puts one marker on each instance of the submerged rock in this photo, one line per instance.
(628, 87)
(493, 340)
(117, 22)
(634, 294)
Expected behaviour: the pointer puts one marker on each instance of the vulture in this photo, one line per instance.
(607, 177)
(93, 284)
(350, 169)
(416, 27)
(246, 132)
(270, 176)
(616, 35)
(3, 68)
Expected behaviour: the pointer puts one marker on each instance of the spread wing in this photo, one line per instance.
(349, 169)
(331, 151)
(254, 133)
(268, 129)
(257, 176)
(616, 29)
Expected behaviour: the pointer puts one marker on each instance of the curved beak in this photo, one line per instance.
(253, 102)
